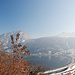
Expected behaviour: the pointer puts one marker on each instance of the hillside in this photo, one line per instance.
(66, 34)
(5, 38)
(47, 49)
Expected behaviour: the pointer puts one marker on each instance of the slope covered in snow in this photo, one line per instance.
(66, 34)
(6, 36)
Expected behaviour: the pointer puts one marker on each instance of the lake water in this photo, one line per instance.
(52, 63)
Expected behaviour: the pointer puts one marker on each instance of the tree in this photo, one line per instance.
(15, 64)
(2, 47)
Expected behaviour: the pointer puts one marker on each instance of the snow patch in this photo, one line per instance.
(23, 41)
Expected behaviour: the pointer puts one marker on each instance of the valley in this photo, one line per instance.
(53, 52)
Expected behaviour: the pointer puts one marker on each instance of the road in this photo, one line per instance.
(66, 70)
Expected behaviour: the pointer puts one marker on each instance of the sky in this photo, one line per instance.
(39, 18)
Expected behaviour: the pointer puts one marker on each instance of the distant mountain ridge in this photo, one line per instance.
(7, 40)
(66, 34)
(63, 41)
(47, 50)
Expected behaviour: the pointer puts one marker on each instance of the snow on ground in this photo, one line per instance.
(69, 71)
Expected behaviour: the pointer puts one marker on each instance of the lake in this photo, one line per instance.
(52, 63)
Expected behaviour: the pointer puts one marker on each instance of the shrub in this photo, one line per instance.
(15, 64)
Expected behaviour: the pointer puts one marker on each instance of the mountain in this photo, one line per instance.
(53, 44)
(66, 34)
(48, 51)
(53, 52)
(5, 38)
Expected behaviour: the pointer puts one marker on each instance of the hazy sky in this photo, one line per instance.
(39, 18)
